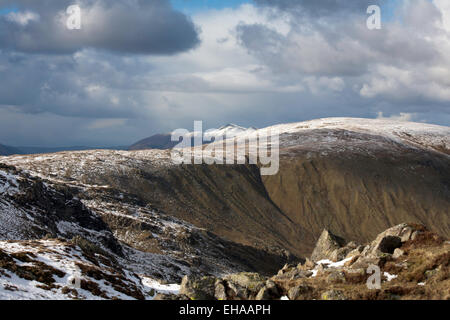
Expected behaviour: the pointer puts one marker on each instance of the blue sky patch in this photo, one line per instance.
(191, 6)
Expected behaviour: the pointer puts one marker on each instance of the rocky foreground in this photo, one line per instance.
(414, 263)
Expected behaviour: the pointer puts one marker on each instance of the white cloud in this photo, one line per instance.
(22, 18)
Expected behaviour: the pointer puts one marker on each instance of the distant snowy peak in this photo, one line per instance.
(229, 131)
(231, 126)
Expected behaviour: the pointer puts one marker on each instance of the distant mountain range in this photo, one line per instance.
(164, 141)
(158, 141)
(9, 150)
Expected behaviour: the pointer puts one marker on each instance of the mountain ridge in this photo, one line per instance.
(357, 177)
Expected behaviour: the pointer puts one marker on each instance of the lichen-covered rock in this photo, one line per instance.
(335, 276)
(268, 292)
(245, 285)
(294, 274)
(398, 253)
(300, 292)
(326, 245)
(220, 292)
(333, 295)
(198, 288)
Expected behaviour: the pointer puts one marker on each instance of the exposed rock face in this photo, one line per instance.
(326, 245)
(38, 209)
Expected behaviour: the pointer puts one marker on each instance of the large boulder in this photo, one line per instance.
(326, 245)
(391, 239)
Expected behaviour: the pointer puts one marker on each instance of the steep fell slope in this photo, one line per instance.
(360, 176)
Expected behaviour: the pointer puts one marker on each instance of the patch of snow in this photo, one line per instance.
(329, 264)
(150, 284)
(390, 277)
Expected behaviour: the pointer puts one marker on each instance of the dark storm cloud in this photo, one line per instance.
(129, 26)
(86, 85)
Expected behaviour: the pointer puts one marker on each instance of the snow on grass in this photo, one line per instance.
(66, 261)
(331, 264)
(328, 264)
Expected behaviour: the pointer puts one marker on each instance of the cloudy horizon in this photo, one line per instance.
(138, 68)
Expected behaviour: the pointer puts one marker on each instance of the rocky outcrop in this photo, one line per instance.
(327, 244)
(391, 239)
(418, 268)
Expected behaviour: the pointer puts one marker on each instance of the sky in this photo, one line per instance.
(141, 67)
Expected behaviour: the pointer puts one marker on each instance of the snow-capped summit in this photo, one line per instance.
(228, 131)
